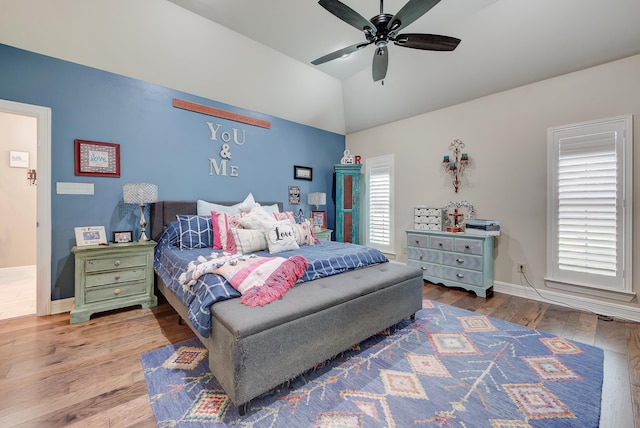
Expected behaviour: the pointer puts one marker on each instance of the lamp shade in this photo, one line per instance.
(317, 198)
(140, 193)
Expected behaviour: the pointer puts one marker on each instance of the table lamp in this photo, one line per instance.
(141, 194)
(317, 198)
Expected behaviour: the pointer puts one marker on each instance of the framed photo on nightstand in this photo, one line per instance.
(319, 219)
(91, 235)
(122, 236)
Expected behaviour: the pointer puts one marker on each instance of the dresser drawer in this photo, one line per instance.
(461, 275)
(423, 255)
(469, 246)
(441, 243)
(418, 241)
(115, 277)
(98, 294)
(427, 268)
(110, 263)
(462, 261)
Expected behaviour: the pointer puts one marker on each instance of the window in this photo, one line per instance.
(379, 203)
(589, 207)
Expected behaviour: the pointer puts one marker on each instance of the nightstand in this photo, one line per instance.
(112, 277)
(324, 234)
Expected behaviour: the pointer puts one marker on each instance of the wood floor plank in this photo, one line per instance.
(53, 374)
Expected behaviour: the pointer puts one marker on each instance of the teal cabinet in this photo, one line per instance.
(111, 277)
(454, 260)
(348, 203)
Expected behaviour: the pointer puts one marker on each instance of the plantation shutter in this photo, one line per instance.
(589, 208)
(587, 205)
(379, 210)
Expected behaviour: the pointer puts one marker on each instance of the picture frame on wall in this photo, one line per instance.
(90, 235)
(98, 159)
(319, 219)
(294, 195)
(122, 236)
(302, 173)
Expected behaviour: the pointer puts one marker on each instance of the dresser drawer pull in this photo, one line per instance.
(116, 291)
(466, 247)
(417, 242)
(421, 256)
(439, 244)
(423, 268)
(460, 261)
(117, 263)
(459, 275)
(116, 277)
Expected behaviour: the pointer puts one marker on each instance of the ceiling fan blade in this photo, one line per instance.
(427, 42)
(348, 15)
(340, 52)
(380, 63)
(411, 11)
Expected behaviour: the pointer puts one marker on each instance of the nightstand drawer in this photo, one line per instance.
(110, 263)
(98, 294)
(115, 277)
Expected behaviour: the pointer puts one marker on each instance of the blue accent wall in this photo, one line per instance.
(159, 144)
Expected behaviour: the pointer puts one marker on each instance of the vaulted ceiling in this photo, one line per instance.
(505, 44)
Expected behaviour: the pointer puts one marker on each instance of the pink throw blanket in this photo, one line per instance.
(260, 280)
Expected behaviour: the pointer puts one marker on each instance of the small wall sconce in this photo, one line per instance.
(456, 166)
(141, 194)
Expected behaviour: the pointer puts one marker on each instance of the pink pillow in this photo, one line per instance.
(221, 224)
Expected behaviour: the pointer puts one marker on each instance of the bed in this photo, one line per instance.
(252, 350)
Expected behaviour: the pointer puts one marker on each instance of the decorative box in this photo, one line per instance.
(425, 218)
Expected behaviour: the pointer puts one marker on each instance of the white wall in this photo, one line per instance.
(18, 214)
(506, 137)
(162, 43)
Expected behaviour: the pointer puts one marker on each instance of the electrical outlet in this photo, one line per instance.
(522, 268)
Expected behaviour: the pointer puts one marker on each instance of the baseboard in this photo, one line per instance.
(628, 311)
(61, 306)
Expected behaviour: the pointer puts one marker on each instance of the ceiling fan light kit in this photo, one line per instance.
(382, 29)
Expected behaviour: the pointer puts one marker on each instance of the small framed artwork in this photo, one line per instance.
(294, 195)
(18, 159)
(319, 218)
(97, 159)
(91, 235)
(122, 236)
(302, 172)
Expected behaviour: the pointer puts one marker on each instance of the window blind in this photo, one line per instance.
(379, 204)
(587, 206)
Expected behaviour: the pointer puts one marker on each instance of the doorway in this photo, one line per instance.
(41, 271)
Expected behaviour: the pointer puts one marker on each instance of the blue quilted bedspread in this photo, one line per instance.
(325, 259)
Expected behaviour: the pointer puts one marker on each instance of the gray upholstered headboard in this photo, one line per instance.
(164, 212)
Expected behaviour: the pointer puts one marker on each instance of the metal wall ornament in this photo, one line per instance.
(455, 167)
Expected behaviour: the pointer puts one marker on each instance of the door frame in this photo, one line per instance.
(43, 235)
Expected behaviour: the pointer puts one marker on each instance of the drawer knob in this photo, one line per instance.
(423, 268)
(460, 261)
(117, 277)
(116, 291)
(417, 242)
(459, 275)
(466, 247)
(421, 256)
(117, 263)
(439, 244)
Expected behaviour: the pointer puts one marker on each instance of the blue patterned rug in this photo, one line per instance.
(449, 368)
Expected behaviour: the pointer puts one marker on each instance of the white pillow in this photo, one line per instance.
(281, 237)
(248, 204)
(271, 208)
(249, 241)
(205, 208)
(258, 218)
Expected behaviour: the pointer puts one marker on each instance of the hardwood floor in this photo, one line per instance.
(53, 374)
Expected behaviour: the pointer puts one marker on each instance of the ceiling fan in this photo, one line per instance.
(383, 29)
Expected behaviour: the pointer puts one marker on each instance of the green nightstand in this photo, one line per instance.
(111, 277)
(323, 235)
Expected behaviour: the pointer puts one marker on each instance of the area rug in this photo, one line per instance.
(448, 368)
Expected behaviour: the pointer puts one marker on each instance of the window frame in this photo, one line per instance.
(370, 163)
(619, 287)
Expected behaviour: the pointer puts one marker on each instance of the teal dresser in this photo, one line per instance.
(455, 260)
(111, 277)
(348, 203)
